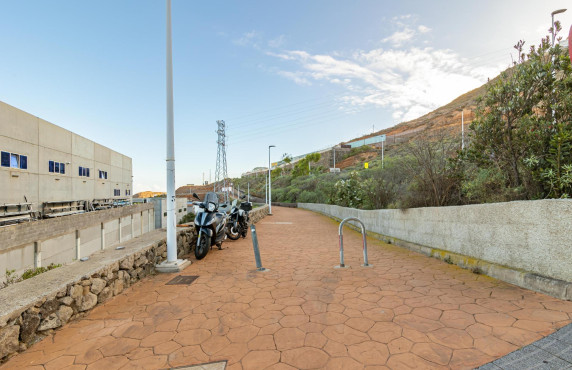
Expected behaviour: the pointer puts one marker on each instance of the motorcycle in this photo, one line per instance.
(238, 219)
(210, 224)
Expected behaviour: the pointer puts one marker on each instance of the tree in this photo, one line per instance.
(302, 167)
(522, 129)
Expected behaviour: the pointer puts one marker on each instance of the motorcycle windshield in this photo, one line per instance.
(210, 197)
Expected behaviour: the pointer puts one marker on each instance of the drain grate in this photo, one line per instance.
(183, 280)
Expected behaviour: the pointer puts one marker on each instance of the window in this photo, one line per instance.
(14, 160)
(5, 159)
(116, 192)
(103, 174)
(56, 167)
(83, 171)
(127, 192)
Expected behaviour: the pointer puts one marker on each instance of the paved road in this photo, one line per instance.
(407, 311)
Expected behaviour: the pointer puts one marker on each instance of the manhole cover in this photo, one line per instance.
(183, 280)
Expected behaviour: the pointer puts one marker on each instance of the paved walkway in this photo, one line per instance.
(408, 311)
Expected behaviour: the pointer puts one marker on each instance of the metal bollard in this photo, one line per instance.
(256, 250)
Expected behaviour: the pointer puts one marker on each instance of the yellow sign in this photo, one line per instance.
(366, 165)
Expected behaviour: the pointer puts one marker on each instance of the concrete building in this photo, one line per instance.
(46, 163)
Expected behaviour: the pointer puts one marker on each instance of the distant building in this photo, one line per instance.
(42, 162)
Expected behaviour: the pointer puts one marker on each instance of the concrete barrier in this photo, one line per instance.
(527, 243)
(65, 239)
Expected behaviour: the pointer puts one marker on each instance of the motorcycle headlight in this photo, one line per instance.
(211, 207)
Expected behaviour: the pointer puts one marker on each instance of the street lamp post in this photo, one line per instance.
(172, 264)
(269, 182)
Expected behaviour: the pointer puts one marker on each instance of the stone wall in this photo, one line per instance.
(23, 324)
(526, 243)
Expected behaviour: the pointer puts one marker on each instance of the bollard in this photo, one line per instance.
(256, 250)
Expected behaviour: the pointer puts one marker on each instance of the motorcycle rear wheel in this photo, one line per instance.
(202, 249)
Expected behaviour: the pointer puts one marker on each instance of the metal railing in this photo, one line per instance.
(341, 236)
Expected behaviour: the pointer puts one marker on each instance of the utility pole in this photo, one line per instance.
(172, 264)
(248, 192)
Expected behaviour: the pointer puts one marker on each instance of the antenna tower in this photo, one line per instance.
(220, 173)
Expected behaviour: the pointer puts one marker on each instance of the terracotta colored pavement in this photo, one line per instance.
(407, 311)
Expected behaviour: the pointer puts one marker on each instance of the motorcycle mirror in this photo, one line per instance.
(196, 196)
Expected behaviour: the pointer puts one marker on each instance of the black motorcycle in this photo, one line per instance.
(210, 225)
(238, 220)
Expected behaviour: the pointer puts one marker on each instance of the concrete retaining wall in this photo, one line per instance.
(65, 239)
(528, 243)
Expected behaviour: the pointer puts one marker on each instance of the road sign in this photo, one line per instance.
(382, 137)
(334, 170)
(366, 165)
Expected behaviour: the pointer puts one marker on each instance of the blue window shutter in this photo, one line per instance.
(5, 159)
(62, 168)
(87, 169)
(57, 167)
(80, 170)
(24, 162)
(51, 166)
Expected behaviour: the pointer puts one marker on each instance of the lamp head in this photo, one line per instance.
(558, 11)
(271, 146)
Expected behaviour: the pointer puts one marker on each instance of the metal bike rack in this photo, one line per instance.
(340, 233)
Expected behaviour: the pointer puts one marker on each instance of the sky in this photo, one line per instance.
(301, 75)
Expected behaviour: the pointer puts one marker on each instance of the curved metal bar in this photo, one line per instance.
(340, 233)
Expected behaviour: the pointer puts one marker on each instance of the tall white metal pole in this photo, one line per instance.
(382, 152)
(463, 129)
(171, 234)
(269, 182)
(248, 192)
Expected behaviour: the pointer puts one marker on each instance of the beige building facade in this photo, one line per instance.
(42, 162)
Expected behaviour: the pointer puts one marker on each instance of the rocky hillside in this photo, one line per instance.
(446, 117)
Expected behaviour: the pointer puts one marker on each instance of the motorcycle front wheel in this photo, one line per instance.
(202, 249)
(233, 233)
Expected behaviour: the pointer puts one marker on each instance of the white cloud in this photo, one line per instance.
(297, 77)
(409, 82)
(399, 37)
(423, 29)
(248, 39)
(277, 42)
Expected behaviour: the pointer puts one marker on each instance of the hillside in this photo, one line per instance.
(445, 117)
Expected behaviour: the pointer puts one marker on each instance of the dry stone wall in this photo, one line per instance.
(30, 324)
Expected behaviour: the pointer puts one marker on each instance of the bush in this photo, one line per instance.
(189, 217)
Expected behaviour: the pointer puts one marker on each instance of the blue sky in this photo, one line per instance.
(301, 75)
